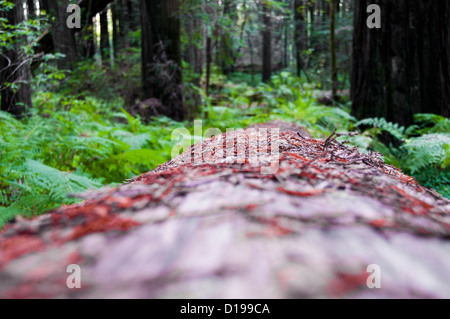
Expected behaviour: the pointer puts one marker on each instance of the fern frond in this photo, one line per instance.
(392, 128)
(427, 150)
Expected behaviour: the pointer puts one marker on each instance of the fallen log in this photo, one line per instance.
(327, 222)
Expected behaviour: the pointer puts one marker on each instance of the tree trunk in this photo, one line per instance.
(286, 43)
(208, 63)
(115, 28)
(104, 36)
(227, 56)
(15, 69)
(31, 9)
(162, 58)
(124, 23)
(312, 4)
(404, 67)
(300, 33)
(63, 37)
(323, 5)
(87, 41)
(334, 77)
(132, 15)
(252, 60)
(193, 55)
(147, 57)
(267, 43)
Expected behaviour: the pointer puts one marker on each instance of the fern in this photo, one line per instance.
(380, 123)
(436, 178)
(428, 118)
(432, 123)
(68, 146)
(430, 149)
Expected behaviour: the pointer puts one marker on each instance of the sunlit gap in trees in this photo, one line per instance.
(97, 35)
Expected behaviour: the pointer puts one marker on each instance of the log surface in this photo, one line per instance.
(211, 224)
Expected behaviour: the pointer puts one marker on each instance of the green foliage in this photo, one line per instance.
(380, 124)
(436, 178)
(20, 38)
(118, 84)
(425, 149)
(432, 123)
(71, 145)
(286, 98)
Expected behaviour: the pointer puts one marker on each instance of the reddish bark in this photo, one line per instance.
(309, 229)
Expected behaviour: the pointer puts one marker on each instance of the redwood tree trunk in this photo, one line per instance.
(115, 25)
(31, 8)
(267, 44)
(104, 36)
(334, 76)
(404, 67)
(227, 57)
(124, 24)
(63, 37)
(161, 57)
(208, 63)
(193, 25)
(300, 33)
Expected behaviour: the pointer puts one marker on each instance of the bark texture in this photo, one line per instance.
(212, 224)
(267, 43)
(63, 37)
(161, 57)
(104, 36)
(404, 67)
(300, 33)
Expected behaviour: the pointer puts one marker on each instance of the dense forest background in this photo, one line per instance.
(93, 105)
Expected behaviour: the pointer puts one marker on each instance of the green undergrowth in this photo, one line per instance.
(69, 146)
(424, 150)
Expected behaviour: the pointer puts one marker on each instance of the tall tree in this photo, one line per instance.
(104, 35)
(404, 67)
(124, 24)
(227, 56)
(334, 77)
(115, 27)
(133, 14)
(15, 75)
(300, 32)
(161, 57)
(63, 37)
(31, 8)
(208, 63)
(193, 53)
(267, 42)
